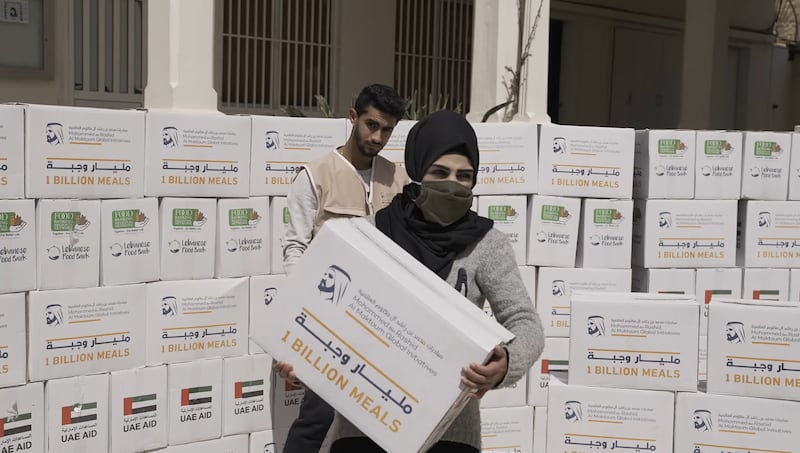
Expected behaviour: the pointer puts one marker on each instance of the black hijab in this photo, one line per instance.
(435, 246)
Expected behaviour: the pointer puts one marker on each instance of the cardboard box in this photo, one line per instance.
(710, 283)
(14, 343)
(540, 379)
(556, 285)
(553, 232)
(12, 151)
(509, 154)
(23, 426)
(664, 281)
(68, 243)
(82, 331)
(663, 165)
(507, 429)
(599, 418)
(286, 399)
(753, 348)
(794, 285)
(245, 394)
(581, 161)
(242, 237)
(712, 422)
(396, 146)
(514, 395)
(195, 401)
(129, 235)
(718, 169)
(606, 234)
(371, 305)
(266, 442)
(188, 238)
(280, 147)
(509, 214)
(197, 154)
(196, 319)
(702, 362)
(279, 217)
(539, 429)
(17, 246)
(770, 234)
(263, 290)
(765, 166)
(78, 152)
(635, 340)
(794, 169)
(557, 353)
(138, 409)
(766, 284)
(77, 414)
(685, 234)
(232, 444)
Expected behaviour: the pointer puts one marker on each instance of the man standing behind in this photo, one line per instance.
(351, 181)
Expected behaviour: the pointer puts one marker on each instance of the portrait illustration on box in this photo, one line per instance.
(596, 326)
(573, 411)
(734, 332)
(702, 420)
(333, 284)
(169, 306)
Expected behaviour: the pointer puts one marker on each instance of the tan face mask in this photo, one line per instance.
(443, 202)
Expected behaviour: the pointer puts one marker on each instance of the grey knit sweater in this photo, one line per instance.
(491, 274)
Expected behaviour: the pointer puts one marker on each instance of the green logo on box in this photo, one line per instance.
(552, 212)
(7, 220)
(182, 217)
(502, 213)
(766, 148)
(715, 147)
(285, 216)
(670, 146)
(242, 217)
(606, 216)
(65, 221)
(126, 218)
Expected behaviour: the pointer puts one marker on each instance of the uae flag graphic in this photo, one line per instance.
(672, 292)
(15, 424)
(716, 292)
(771, 294)
(545, 366)
(195, 395)
(78, 413)
(248, 389)
(139, 404)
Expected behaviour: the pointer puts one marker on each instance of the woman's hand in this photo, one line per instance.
(286, 371)
(482, 378)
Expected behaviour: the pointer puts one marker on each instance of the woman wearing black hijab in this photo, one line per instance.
(433, 222)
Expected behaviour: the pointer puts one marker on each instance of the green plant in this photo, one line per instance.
(416, 111)
(322, 104)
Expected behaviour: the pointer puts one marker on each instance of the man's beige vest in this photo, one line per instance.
(340, 190)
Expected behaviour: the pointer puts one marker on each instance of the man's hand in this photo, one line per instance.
(482, 378)
(286, 371)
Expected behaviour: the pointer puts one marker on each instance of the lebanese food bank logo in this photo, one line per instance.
(272, 141)
(15, 423)
(671, 147)
(248, 389)
(503, 213)
(764, 219)
(767, 149)
(188, 217)
(665, 219)
(141, 404)
(54, 134)
(68, 222)
(169, 137)
(717, 148)
(78, 413)
(333, 284)
(702, 421)
(573, 411)
(193, 396)
(11, 222)
(559, 145)
(734, 332)
(607, 216)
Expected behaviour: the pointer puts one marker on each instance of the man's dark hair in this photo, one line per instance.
(383, 98)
